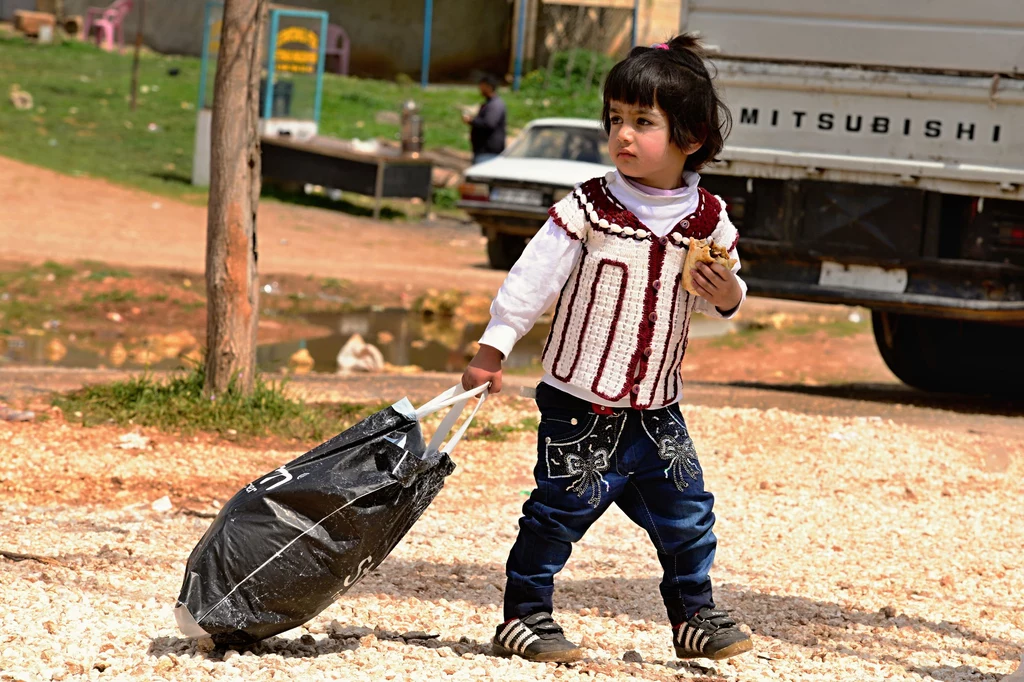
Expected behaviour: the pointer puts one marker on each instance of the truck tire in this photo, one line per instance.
(503, 250)
(955, 356)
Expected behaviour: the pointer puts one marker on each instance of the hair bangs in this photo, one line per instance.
(631, 81)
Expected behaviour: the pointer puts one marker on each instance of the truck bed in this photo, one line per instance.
(981, 36)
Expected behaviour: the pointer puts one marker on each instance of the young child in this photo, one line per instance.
(612, 253)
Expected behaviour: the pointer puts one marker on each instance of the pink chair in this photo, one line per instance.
(108, 22)
(338, 46)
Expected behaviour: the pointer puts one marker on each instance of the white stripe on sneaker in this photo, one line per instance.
(703, 640)
(521, 636)
(517, 631)
(503, 637)
(527, 642)
(690, 632)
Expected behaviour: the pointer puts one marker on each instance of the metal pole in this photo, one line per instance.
(206, 55)
(321, 59)
(268, 102)
(428, 21)
(521, 34)
(378, 187)
(636, 20)
(138, 48)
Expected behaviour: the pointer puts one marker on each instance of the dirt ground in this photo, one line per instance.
(51, 216)
(852, 548)
(867, 531)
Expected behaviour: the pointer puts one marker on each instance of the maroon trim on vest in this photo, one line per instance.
(678, 344)
(704, 220)
(686, 342)
(557, 219)
(639, 365)
(565, 323)
(700, 224)
(668, 337)
(615, 317)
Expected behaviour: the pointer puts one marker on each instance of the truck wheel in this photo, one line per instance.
(935, 354)
(503, 250)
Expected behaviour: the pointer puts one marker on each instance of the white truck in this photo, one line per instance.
(877, 159)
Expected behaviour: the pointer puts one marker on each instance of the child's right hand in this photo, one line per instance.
(485, 366)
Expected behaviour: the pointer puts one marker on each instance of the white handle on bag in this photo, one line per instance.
(456, 398)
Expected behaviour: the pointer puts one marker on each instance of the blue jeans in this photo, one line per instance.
(643, 461)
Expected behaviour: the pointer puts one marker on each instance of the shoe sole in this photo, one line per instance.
(733, 649)
(567, 656)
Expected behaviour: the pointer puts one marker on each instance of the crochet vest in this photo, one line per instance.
(622, 319)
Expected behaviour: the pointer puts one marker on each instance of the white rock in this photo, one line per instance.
(162, 505)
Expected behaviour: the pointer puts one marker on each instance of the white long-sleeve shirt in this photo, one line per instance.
(535, 281)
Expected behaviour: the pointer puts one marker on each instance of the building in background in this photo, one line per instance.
(387, 35)
(469, 37)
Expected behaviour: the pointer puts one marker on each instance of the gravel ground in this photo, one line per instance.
(854, 549)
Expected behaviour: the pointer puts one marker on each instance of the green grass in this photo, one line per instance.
(82, 123)
(760, 336)
(115, 296)
(101, 272)
(178, 405)
(489, 431)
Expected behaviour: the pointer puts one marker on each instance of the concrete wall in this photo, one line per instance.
(386, 35)
(603, 26)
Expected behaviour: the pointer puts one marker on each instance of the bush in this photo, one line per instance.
(534, 82)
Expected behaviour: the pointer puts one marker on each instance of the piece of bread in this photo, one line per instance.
(703, 251)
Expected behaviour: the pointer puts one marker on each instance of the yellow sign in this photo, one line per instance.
(215, 29)
(298, 50)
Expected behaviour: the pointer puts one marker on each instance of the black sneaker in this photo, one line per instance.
(536, 638)
(710, 634)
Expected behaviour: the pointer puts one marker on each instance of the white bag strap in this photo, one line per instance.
(457, 399)
(449, 397)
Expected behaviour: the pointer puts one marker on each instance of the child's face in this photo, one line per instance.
(640, 145)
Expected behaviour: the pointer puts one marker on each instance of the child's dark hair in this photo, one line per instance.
(678, 81)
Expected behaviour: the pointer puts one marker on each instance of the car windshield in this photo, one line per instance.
(588, 145)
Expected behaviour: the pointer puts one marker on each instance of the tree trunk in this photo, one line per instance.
(231, 279)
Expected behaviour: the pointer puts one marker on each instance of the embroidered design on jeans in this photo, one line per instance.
(681, 458)
(586, 458)
(676, 448)
(589, 471)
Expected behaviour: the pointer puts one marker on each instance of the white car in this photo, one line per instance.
(509, 196)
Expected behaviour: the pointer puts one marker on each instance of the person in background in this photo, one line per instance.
(487, 128)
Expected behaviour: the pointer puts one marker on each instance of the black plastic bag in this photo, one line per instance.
(291, 542)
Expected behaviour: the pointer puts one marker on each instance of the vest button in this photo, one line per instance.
(648, 352)
(656, 284)
(636, 389)
(663, 241)
(653, 317)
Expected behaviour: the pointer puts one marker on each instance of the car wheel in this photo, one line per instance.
(935, 354)
(503, 250)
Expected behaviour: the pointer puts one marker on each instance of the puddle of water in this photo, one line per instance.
(37, 351)
(435, 344)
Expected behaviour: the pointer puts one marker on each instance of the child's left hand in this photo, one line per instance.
(718, 285)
